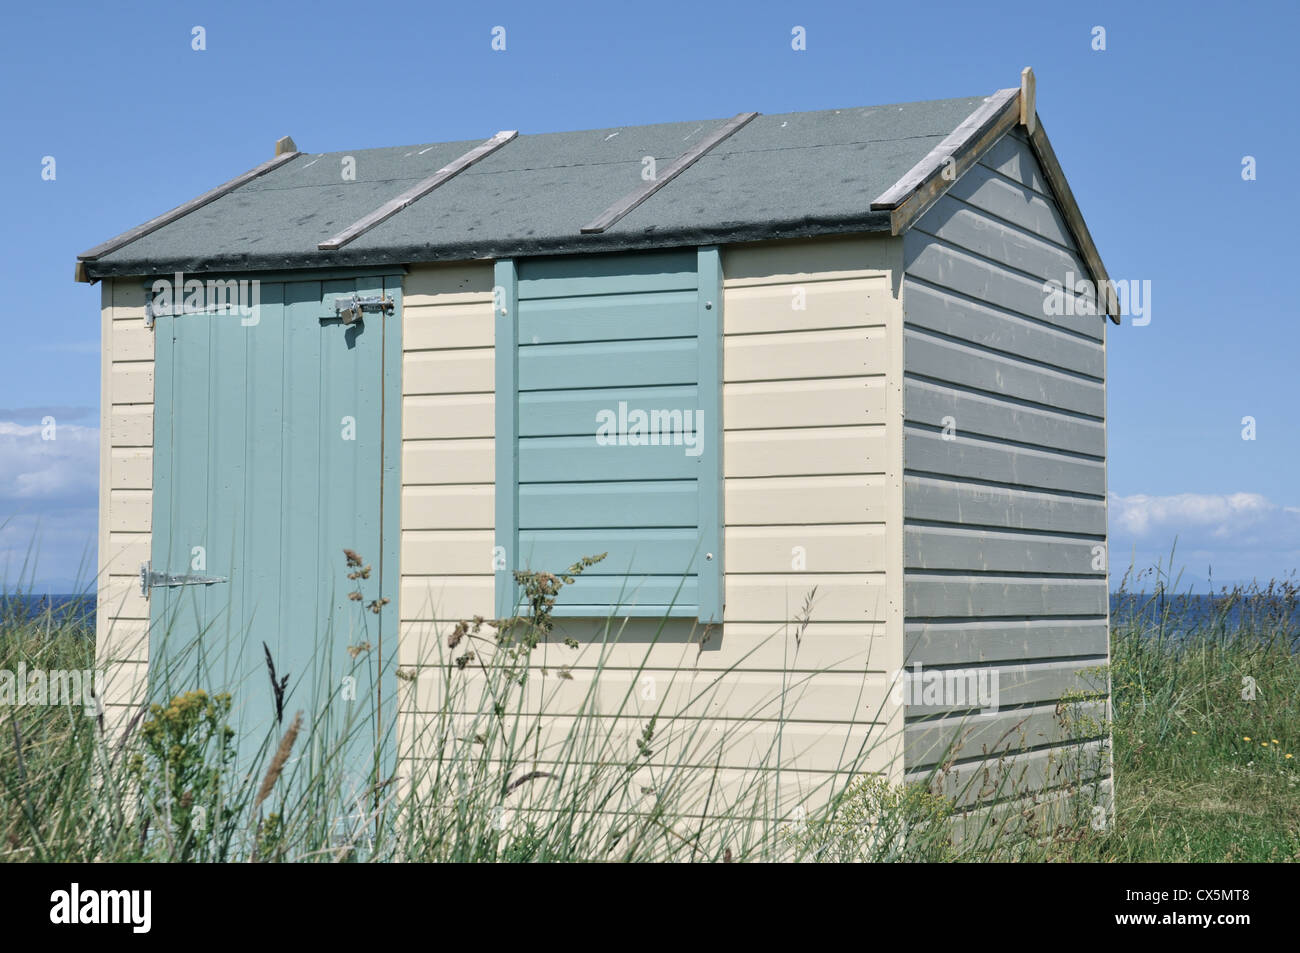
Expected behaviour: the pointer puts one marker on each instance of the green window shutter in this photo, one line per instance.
(609, 431)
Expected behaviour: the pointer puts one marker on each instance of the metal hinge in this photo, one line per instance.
(150, 579)
(350, 309)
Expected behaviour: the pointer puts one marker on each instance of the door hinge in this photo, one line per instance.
(350, 309)
(150, 579)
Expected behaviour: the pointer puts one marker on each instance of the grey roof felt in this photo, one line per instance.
(780, 176)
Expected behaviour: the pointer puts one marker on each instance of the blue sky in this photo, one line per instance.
(1151, 131)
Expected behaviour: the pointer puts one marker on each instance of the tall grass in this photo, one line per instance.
(493, 770)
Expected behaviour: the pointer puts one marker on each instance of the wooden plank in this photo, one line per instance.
(937, 740)
(916, 191)
(985, 550)
(166, 218)
(975, 641)
(805, 451)
(1015, 203)
(1008, 158)
(854, 302)
(683, 162)
(461, 371)
(977, 415)
(709, 564)
(417, 191)
(797, 549)
(641, 363)
(131, 425)
(447, 416)
(974, 596)
(801, 355)
(951, 501)
(962, 271)
(956, 363)
(958, 317)
(971, 229)
(447, 507)
(608, 505)
(576, 412)
(778, 501)
(130, 468)
(972, 458)
(842, 401)
(132, 383)
(608, 317)
(1028, 99)
(1070, 211)
(432, 462)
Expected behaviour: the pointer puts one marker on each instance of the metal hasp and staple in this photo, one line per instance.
(150, 579)
(350, 309)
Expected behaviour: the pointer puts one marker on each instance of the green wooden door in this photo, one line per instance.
(276, 448)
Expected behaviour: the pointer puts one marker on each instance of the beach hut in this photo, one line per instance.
(827, 387)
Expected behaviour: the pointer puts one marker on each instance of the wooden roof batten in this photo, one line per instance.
(683, 162)
(418, 191)
(285, 152)
(925, 183)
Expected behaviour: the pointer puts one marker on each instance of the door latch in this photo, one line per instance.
(150, 579)
(350, 309)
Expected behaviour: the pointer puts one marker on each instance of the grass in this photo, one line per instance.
(1206, 711)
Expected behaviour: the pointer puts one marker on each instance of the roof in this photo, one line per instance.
(769, 177)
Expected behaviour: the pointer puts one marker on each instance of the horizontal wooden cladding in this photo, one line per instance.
(463, 371)
(949, 501)
(447, 417)
(935, 741)
(608, 505)
(132, 383)
(831, 402)
(456, 282)
(835, 597)
(126, 550)
(612, 364)
(1004, 686)
(760, 598)
(980, 415)
(799, 260)
(633, 551)
(445, 597)
(966, 273)
(662, 314)
(1012, 202)
(799, 305)
(675, 644)
(957, 363)
(783, 501)
(439, 552)
(130, 511)
(973, 596)
(795, 549)
(460, 506)
(1009, 157)
(679, 744)
(804, 355)
(446, 326)
(938, 310)
(429, 462)
(131, 342)
(123, 683)
(560, 459)
(985, 550)
(599, 594)
(974, 641)
(580, 412)
(1000, 778)
(810, 451)
(130, 468)
(131, 425)
(124, 640)
(588, 276)
(974, 458)
(965, 226)
(841, 697)
(119, 598)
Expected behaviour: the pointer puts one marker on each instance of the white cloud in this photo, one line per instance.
(1240, 535)
(35, 470)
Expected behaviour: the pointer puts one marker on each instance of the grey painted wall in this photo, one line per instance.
(1005, 477)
